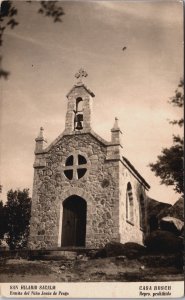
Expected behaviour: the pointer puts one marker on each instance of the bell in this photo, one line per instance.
(79, 117)
(79, 125)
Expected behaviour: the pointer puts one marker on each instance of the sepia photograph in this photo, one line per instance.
(91, 155)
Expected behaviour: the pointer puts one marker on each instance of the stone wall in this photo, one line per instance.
(131, 232)
(99, 187)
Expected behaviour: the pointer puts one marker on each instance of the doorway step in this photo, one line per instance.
(69, 254)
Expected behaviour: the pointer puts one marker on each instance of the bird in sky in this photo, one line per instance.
(124, 48)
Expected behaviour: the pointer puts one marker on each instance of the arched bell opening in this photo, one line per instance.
(78, 120)
(74, 222)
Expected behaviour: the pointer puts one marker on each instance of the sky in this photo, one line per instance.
(133, 85)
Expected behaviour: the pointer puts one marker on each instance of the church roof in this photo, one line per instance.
(125, 160)
(80, 85)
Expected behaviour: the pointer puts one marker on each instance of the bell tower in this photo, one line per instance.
(78, 115)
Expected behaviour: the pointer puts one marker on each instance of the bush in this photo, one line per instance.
(112, 249)
(161, 241)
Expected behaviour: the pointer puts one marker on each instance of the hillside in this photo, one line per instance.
(177, 210)
(161, 209)
(156, 208)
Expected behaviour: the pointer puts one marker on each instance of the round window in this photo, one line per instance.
(75, 166)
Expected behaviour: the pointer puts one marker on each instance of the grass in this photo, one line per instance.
(91, 270)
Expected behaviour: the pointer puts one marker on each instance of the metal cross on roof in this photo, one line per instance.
(80, 74)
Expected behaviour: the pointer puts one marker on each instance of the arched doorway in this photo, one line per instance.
(74, 221)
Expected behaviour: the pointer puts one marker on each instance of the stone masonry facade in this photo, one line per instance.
(106, 183)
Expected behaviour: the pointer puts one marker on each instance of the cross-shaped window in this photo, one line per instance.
(75, 166)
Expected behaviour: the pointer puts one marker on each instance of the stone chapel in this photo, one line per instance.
(85, 192)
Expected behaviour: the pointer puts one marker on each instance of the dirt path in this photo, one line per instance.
(106, 269)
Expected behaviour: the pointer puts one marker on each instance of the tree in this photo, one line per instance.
(2, 217)
(2, 220)
(17, 216)
(8, 19)
(169, 165)
(178, 101)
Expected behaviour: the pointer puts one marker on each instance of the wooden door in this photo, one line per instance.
(74, 222)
